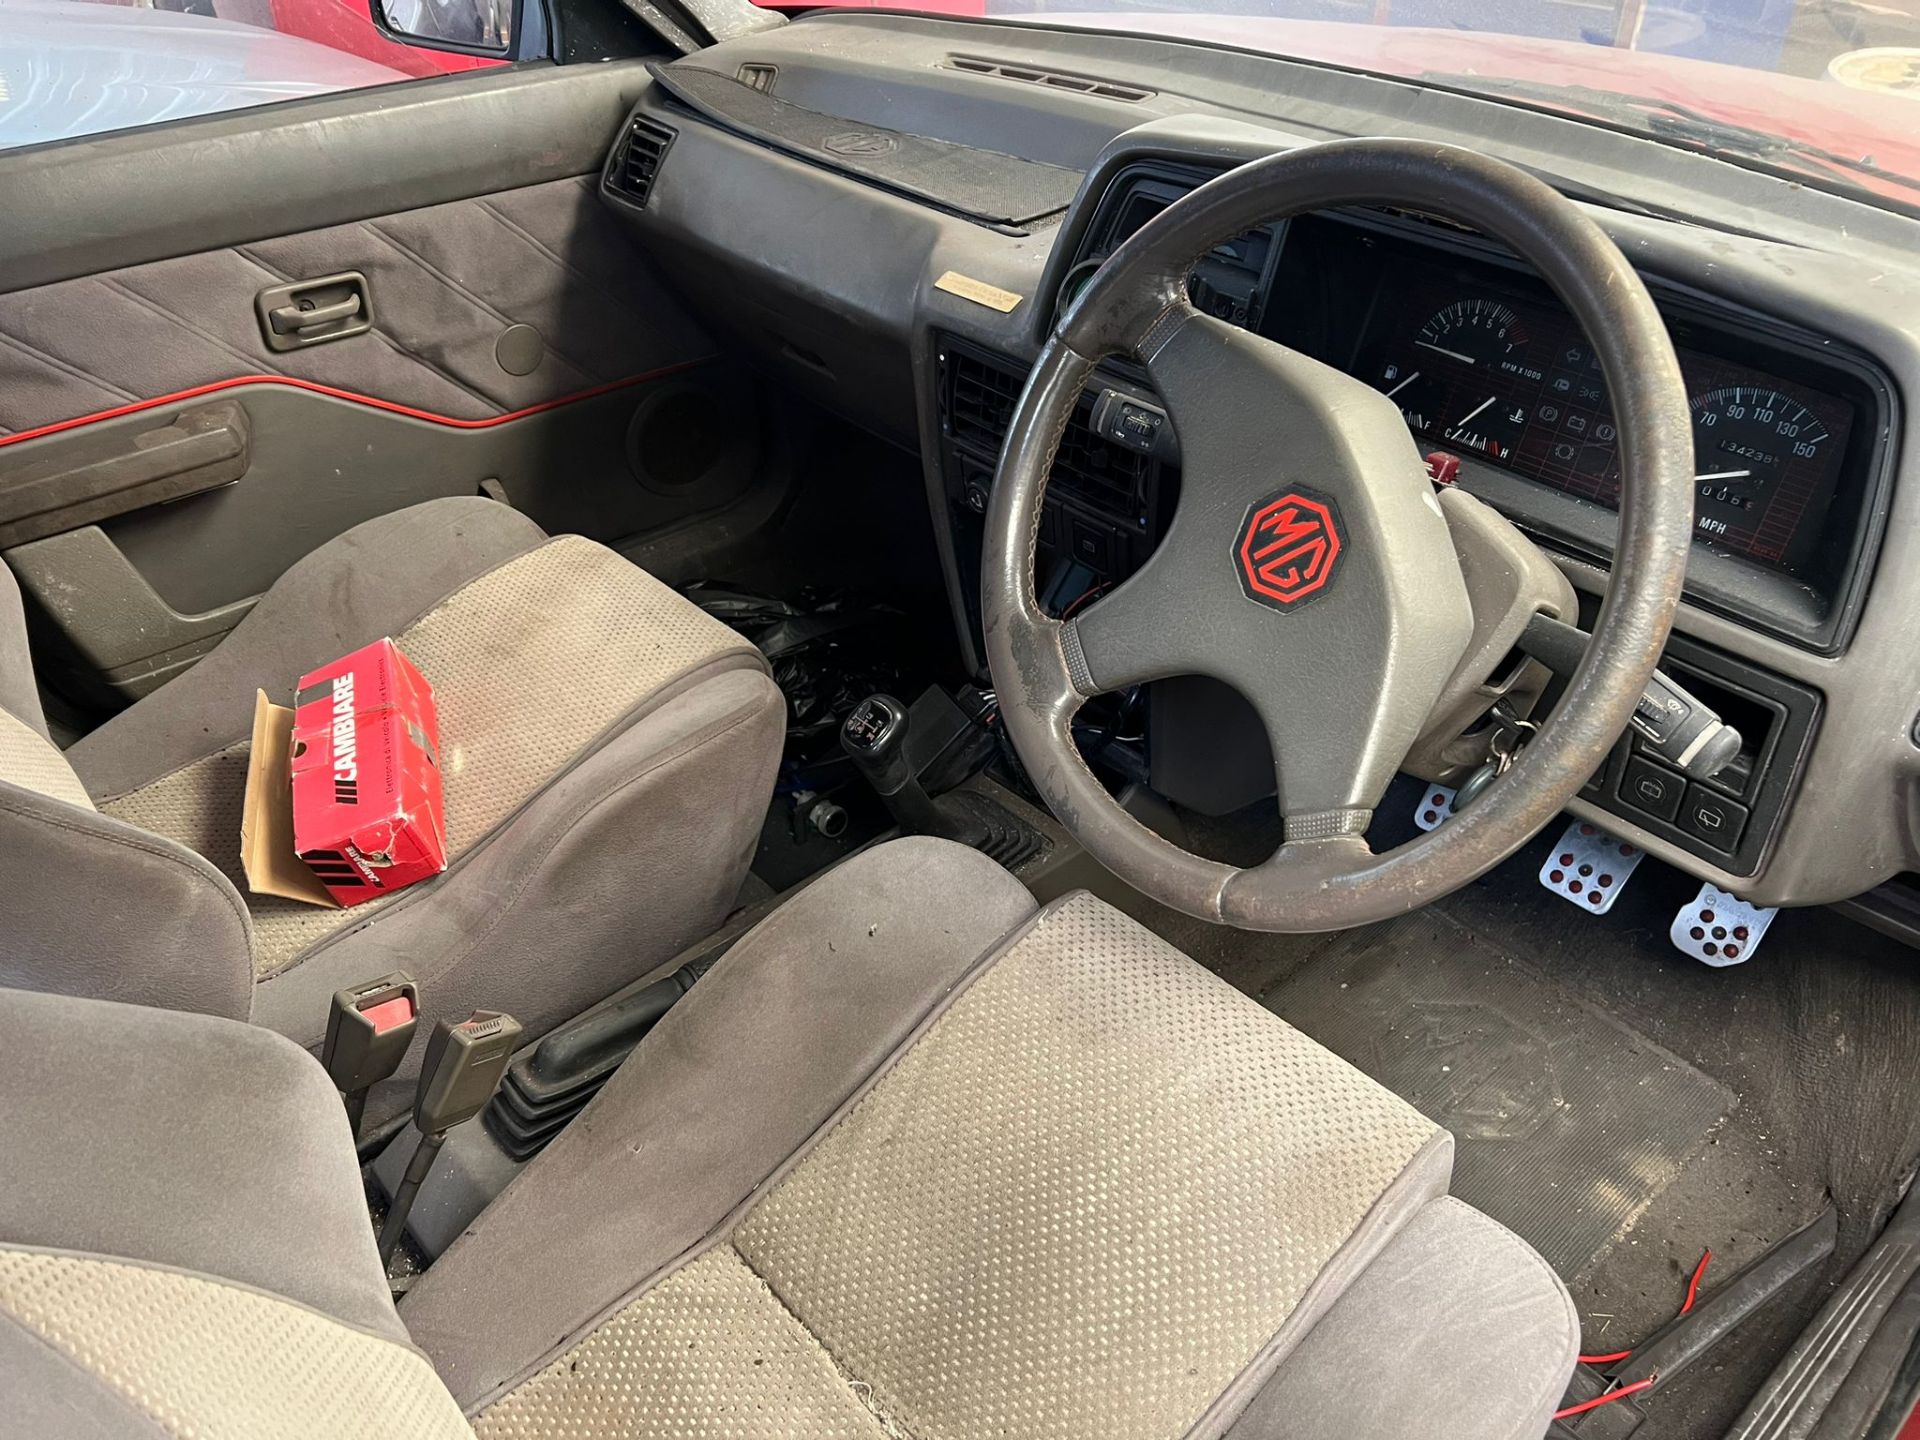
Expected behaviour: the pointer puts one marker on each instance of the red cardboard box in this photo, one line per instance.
(364, 759)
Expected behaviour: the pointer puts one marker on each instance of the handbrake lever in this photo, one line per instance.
(1676, 725)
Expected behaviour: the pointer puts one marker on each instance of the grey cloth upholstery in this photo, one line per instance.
(629, 857)
(48, 1395)
(18, 695)
(31, 761)
(123, 1139)
(732, 1082)
(172, 1263)
(445, 281)
(608, 752)
(370, 582)
(912, 1159)
(760, 1236)
(94, 906)
(1479, 1338)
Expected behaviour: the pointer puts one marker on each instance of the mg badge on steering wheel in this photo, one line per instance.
(1287, 548)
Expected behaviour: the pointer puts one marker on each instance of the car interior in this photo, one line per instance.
(1141, 737)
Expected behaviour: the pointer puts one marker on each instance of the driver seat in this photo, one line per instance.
(915, 1159)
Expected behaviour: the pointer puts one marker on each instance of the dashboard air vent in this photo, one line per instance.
(981, 399)
(1106, 476)
(640, 159)
(1058, 80)
(756, 76)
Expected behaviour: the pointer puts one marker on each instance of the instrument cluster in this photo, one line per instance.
(1491, 372)
(1792, 432)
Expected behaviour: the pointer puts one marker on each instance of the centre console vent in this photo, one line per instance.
(636, 163)
(1105, 475)
(1054, 79)
(979, 400)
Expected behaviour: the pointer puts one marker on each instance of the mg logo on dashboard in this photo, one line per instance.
(1288, 548)
(860, 142)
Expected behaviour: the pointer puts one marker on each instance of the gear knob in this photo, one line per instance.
(874, 736)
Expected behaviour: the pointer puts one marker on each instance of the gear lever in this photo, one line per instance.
(874, 736)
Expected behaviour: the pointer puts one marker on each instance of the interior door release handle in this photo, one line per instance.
(302, 316)
(312, 312)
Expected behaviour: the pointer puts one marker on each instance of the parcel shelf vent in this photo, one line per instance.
(1054, 79)
(981, 399)
(646, 149)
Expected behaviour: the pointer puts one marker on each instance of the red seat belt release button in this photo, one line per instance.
(385, 1014)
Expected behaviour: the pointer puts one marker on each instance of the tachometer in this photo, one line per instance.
(1744, 438)
(1474, 332)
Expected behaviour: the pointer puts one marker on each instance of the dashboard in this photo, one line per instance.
(916, 296)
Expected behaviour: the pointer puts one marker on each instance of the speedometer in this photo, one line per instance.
(1745, 437)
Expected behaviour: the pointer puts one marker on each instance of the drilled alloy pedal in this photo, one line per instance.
(1434, 807)
(1716, 928)
(1589, 867)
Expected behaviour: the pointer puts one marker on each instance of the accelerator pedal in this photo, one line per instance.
(1717, 929)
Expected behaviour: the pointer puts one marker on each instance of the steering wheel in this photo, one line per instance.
(1309, 564)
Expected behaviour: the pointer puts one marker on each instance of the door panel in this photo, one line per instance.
(445, 284)
(516, 339)
(87, 206)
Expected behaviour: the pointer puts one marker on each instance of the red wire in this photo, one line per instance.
(1607, 1399)
(1693, 1285)
(1693, 1293)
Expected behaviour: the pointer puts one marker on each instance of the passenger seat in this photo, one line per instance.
(608, 753)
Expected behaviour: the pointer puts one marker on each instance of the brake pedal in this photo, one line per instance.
(1716, 928)
(1434, 807)
(1589, 867)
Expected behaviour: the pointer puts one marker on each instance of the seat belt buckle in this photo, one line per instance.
(369, 1028)
(464, 1062)
(462, 1069)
